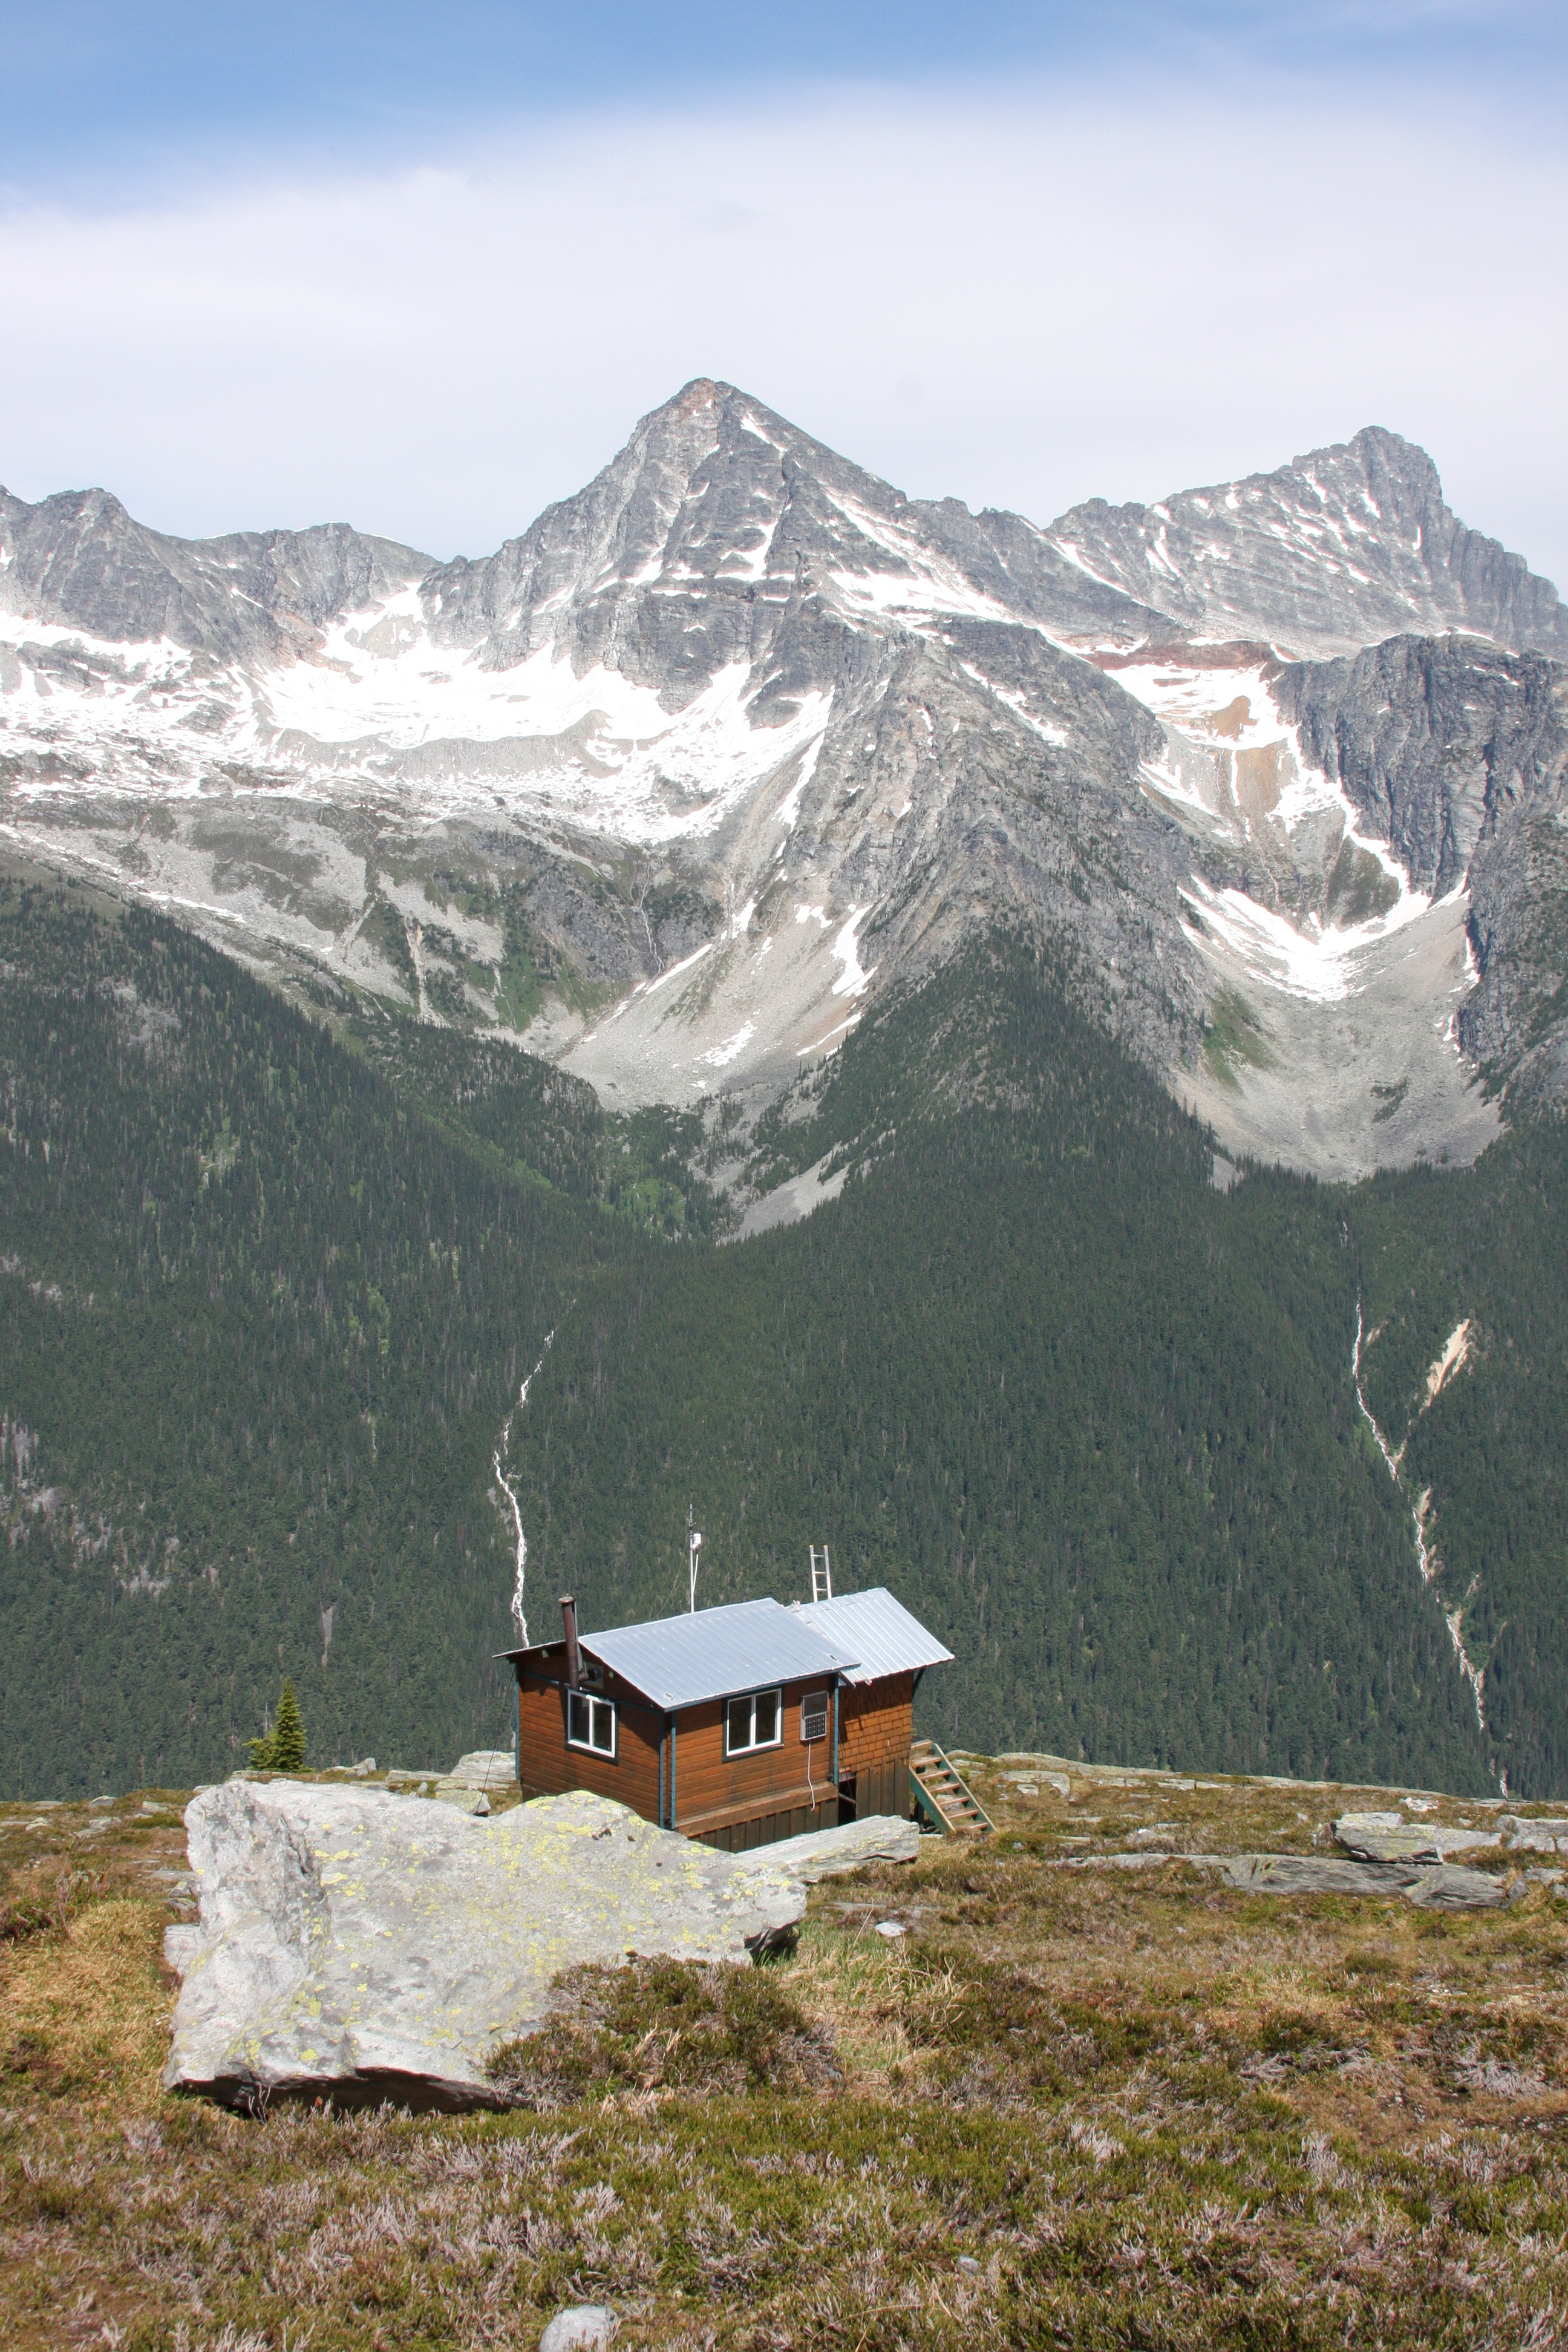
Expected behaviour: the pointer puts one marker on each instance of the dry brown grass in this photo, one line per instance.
(87, 2010)
(1076, 2107)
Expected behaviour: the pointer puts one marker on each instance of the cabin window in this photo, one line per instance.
(591, 1723)
(755, 1721)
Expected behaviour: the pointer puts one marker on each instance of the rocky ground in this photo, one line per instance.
(1060, 2085)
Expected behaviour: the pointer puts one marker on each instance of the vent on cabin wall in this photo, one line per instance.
(814, 1717)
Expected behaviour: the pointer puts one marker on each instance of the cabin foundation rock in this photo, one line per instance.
(354, 1945)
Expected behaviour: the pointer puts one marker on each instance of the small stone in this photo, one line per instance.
(891, 1928)
(584, 2328)
(969, 2266)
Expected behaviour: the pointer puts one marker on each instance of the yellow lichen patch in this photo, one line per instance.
(88, 2011)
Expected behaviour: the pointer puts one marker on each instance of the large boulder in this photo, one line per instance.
(355, 1946)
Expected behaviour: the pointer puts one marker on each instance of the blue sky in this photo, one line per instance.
(102, 93)
(423, 267)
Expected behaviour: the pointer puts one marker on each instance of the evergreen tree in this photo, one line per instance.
(288, 1733)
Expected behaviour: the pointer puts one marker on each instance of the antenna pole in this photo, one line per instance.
(693, 1546)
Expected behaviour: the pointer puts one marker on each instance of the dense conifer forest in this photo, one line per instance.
(267, 1296)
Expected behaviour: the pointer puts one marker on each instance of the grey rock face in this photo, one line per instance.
(1457, 755)
(1340, 548)
(712, 536)
(359, 1946)
(79, 559)
(740, 737)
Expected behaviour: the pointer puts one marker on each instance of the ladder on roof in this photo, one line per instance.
(821, 1575)
(942, 1796)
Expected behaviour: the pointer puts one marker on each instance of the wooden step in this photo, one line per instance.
(941, 1795)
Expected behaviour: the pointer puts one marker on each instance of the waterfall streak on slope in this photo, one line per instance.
(1475, 1676)
(518, 1616)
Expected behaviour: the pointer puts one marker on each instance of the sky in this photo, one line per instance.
(421, 268)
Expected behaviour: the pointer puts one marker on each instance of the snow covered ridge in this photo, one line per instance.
(741, 735)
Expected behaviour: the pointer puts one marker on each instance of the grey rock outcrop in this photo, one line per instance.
(1390, 1837)
(1444, 1888)
(827, 1853)
(357, 1946)
(1542, 1834)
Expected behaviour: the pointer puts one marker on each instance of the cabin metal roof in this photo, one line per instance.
(712, 1653)
(876, 1631)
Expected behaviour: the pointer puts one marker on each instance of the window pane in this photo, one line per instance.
(739, 1730)
(604, 1731)
(576, 1716)
(767, 1706)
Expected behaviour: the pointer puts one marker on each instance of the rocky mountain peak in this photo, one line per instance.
(669, 783)
(77, 560)
(1343, 547)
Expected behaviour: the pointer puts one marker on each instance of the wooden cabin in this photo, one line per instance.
(738, 1725)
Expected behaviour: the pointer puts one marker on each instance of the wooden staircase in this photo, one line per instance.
(941, 1795)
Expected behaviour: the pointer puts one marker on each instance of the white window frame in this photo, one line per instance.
(755, 1746)
(597, 1709)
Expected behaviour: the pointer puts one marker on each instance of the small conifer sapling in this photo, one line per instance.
(289, 1732)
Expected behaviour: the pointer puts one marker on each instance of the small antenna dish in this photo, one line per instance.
(821, 1574)
(693, 1546)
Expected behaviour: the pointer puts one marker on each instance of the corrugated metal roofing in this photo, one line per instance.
(876, 1630)
(680, 1661)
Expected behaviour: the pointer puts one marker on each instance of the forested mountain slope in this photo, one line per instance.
(262, 1320)
(259, 1325)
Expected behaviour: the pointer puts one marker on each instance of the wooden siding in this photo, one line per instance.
(739, 1837)
(736, 1802)
(546, 1767)
(712, 1788)
(879, 1788)
(876, 1726)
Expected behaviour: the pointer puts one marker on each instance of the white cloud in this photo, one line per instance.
(1017, 300)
